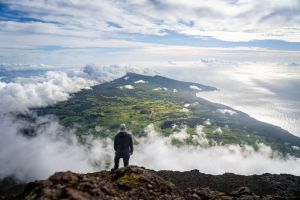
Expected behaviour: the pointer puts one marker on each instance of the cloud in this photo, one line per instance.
(111, 72)
(129, 87)
(23, 67)
(31, 92)
(104, 73)
(207, 122)
(226, 111)
(157, 152)
(218, 130)
(148, 34)
(53, 149)
(194, 87)
(225, 20)
(56, 148)
(140, 81)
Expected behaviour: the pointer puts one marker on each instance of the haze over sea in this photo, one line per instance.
(266, 91)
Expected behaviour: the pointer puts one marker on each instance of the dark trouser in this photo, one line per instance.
(125, 160)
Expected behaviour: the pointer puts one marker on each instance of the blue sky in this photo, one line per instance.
(79, 31)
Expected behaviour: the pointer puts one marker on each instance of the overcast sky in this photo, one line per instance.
(146, 32)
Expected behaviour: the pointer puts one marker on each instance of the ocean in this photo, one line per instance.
(269, 92)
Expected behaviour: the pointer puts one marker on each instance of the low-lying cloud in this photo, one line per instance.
(26, 93)
(54, 86)
(53, 149)
(57, 149)
(157, 152)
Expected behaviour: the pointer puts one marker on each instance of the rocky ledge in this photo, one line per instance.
(139, 183)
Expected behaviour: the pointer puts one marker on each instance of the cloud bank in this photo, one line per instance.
(57, 149)
(53, 149)
(31, 92)
(157, 152)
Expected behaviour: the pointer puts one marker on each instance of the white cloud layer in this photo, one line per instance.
(157, 152)
(226, 111)
(31, 92)
(56, 149)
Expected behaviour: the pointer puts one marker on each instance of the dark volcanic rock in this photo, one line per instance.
(125, 183)
(283, 186)
(139, 183)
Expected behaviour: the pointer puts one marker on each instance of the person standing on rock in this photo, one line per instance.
(123, 146)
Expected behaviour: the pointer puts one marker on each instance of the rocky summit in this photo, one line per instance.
(139, 183)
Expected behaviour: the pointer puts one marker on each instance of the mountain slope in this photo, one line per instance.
(170, 106)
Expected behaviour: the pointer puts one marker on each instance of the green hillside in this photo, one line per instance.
(170, 106)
